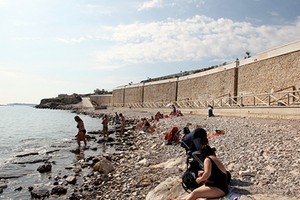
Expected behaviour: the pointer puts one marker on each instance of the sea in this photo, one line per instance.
(28, 136)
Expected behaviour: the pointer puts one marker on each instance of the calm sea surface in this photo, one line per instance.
(25, 129)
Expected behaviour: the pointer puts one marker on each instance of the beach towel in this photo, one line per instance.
(211, 135)
(230, 196)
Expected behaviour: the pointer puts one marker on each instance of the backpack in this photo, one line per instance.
(189, 181)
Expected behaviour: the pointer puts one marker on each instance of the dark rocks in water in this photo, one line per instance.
(27, 154)
(76, 151)
(39, 193)
(32, 160)
(59, 190)
(94, 132)
(60, 101)
(48, 152)
(44, 168)
(18, 189)
(94, 148)
(1, 190)
(103, 140)
(3, 185)
(75, 196)
(89, 158)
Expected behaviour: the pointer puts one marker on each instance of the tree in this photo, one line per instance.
(102, 91)
(247, 54)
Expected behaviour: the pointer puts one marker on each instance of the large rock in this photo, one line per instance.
(44, 168)
(39, 193)
(58, 190)
(71, 179)
(170, 188)
(104, 166)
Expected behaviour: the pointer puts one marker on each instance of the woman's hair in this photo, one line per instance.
(206, 151)
(202, 134)
(77, 118)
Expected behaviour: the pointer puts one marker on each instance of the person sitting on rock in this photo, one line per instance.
(214, 177)
(172, 136)
(146, 125)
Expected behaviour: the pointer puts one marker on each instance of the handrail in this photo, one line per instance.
(286, 98)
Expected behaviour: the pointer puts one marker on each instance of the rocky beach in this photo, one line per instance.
(263, 156)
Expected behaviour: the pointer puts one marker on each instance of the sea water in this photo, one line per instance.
(27, 130)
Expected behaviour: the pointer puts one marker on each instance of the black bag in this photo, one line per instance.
(189, 181)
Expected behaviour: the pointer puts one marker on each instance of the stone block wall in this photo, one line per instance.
(270, 75)
(101, 100)
(209, 86)
(118, 96)
(271, 71)
(133, 94)
(163, 92)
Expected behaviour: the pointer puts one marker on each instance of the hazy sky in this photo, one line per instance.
(51, 47)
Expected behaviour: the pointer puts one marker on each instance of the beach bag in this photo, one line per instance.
(189, 181)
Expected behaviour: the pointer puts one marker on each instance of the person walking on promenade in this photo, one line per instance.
(122, 124)
(81, 130)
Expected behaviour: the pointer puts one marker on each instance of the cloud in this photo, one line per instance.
(3, 3)
(274, 14)
(96, 10)
(72, 40)
(193, 39)
(110, 67)
(150, 4)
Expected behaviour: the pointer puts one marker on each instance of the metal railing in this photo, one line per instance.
(282, 98)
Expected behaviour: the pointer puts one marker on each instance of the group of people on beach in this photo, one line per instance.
(211, 180)
(81, 135)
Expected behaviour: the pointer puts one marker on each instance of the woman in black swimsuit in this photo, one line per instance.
(214, 177)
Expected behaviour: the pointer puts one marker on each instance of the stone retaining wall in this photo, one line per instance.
(274, 70)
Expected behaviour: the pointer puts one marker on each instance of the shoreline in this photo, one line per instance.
(257, 152)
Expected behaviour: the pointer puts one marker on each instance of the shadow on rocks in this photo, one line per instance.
(237, 182)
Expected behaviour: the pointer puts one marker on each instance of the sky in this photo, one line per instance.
(52, 47)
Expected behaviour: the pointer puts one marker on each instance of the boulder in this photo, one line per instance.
(58, 190)
(71, 179)
(39, 193)
(104, 166)
(44, 168)
(170, 188)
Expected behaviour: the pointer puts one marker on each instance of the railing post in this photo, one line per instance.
(236, 79)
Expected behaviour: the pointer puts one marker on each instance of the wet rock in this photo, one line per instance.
(18, 189)
(3, 184)
(71, 179)
(59, 190)
(44, 168)
(27, 154)
(39, 193)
